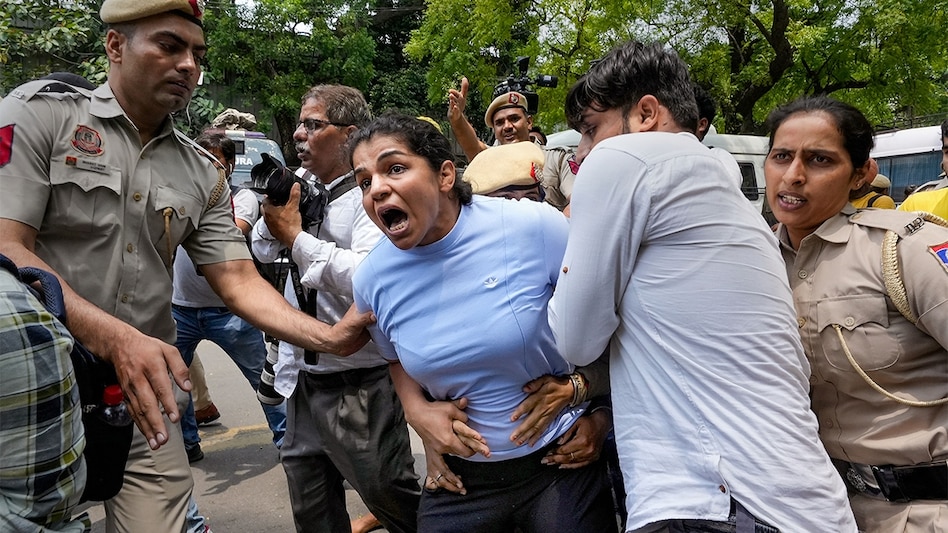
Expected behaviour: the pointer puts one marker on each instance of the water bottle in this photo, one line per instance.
(113, 410)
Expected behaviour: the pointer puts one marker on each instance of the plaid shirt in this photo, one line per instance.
(42, 473)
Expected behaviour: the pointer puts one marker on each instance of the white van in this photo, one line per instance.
(908, 157)
(750, 151)
(249, 145)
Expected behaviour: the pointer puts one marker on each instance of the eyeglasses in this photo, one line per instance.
(313, 124)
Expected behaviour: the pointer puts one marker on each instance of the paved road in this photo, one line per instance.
(240, 486)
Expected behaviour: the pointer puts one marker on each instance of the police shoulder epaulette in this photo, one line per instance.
(48, 89)
(901, 223)
(563, 149)
(221, 185)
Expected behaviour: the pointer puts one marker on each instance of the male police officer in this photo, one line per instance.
(507, 116)
(100, 189)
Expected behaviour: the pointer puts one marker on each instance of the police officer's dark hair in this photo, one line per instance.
(850, 122)
(420, 137)
(944, 129)
(707, 107)
(629, 72)
(210, 140)
(343, 104)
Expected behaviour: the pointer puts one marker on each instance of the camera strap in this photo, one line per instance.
(307, 298)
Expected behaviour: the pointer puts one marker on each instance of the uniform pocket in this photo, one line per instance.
(83, 201)
(179, 214)
(863, 321)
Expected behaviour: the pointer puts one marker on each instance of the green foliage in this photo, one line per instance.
(266, 55)
(888, 56)
(42, 36)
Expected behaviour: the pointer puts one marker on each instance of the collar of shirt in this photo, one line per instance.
(105, 105)
(837, 229)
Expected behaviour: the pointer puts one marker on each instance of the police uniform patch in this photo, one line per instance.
(87, 140)
(940, 251)
(6, 144)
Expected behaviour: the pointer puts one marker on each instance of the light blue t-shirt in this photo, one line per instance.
(467, 316)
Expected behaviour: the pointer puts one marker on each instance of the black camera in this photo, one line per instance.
(523, 85)
(270, 177)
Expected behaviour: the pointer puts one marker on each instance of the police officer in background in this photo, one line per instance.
(100, 189)
(507, 117)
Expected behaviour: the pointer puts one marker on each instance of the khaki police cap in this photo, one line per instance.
(517, 164)
(881, 182)
(116, 11)
(511, 99)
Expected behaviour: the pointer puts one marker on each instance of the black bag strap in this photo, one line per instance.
(873, 200)
(347, 184)
(50, 290)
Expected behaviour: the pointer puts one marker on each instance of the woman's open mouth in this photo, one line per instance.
(394, 219)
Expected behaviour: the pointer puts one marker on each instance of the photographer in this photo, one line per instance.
(343, 419)
(510, 120)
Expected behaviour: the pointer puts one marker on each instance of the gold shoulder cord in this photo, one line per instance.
(218, 188)
(896, 288)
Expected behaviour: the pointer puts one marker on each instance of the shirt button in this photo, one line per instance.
(828, 423)
(850, 321)
(565, 270)
(137, 197)
(130, 248)
(722, 488)
(124, 298)
(801, 321)
(802, 274)
(181, 211)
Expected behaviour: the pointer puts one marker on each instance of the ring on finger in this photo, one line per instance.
(572, 456)
(440, 475)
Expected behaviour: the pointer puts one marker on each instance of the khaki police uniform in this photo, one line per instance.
(109, 214)
(558, 173)
(836, 277)
(558, 176)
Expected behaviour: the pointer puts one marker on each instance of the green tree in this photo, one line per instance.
(399, 82)
(888, 57)
(42, 36)
(268, 53)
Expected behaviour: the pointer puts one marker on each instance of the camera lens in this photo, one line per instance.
(266, 394)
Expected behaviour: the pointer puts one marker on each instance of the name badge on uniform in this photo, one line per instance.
(86, 164)
(940, 251)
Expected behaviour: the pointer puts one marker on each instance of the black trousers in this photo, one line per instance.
(520, 495)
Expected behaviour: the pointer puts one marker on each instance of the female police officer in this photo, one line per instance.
(878, 352)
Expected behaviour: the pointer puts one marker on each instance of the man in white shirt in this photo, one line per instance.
(670, 267)
(344, 421)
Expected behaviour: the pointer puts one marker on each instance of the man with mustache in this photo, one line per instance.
(99, 188)
(343, 420)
